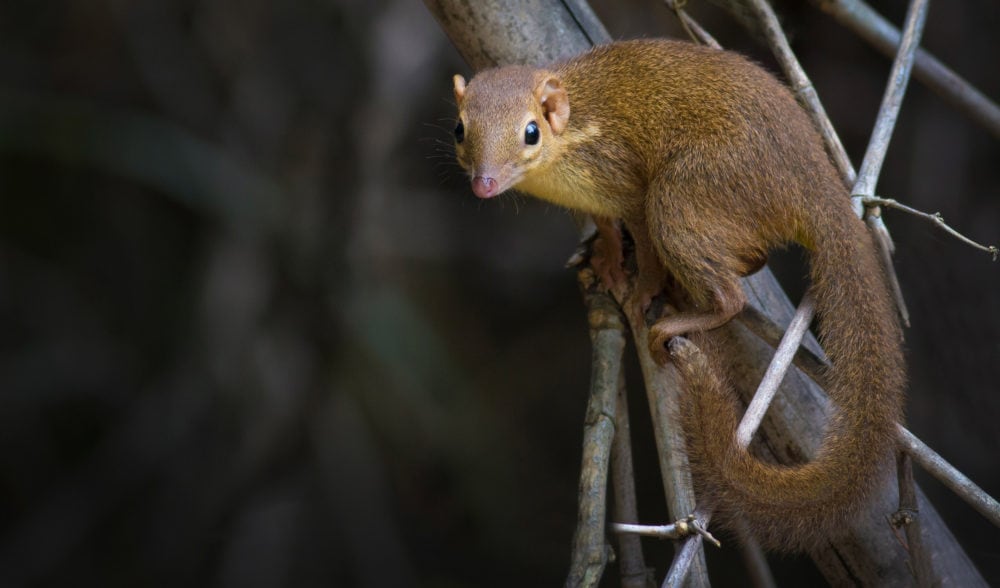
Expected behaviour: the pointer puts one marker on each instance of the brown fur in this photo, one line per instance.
(711, 163)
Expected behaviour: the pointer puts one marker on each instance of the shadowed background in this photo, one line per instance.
(255, 330)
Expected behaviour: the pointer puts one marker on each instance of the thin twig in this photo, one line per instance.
(910, 58)
(686, 527)
(805, 359)
(955, 480)
(631, 565)
(892, 100)
(691, 27)
(935, 218)
(677, 530)
(872, 27)
(885, 248)
(776, 371)
(801, 85)
(878, 144)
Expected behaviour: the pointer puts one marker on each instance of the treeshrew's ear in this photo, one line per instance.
(459, 88)
(554, 102)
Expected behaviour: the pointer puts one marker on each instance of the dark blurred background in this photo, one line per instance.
(256, 331)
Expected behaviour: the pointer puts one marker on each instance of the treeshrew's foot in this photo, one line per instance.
(662, 337)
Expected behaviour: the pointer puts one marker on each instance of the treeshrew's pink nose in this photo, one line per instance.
(484, 187)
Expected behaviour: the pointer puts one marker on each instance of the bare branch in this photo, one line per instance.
(776, 371)
(662, 389)
(693, 29)
(801, 85)
(677, 530)
(590, 549)
(958, 482)
(878, 144)
(899, 77)
(632, 566)
(759, 324)
(935, 218)
(872, 27)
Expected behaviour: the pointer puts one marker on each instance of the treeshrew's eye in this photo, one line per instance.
(459, 132)
(531, 134)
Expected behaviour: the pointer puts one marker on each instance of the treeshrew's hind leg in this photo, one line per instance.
(702, 257)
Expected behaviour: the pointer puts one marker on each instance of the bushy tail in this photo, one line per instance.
(796, 507)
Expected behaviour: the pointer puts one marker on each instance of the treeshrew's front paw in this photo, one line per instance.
(607, 256)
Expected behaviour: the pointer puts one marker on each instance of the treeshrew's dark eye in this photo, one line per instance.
(459, 132)
(531, 134)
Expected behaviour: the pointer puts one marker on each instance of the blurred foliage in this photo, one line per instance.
(255, 331)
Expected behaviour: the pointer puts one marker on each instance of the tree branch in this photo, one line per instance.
(632, 566)
(899, 78)
(872, 27)
(691, 27)
(775, 371)
(590, 550)
(955, 480)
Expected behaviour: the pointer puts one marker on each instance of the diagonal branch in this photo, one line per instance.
(783, 356)
(899, 77)
(662, 389)
(800, 83)
(872, 27)
(632, 566)
(691, 27)
(955, 480)
(689, 550)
